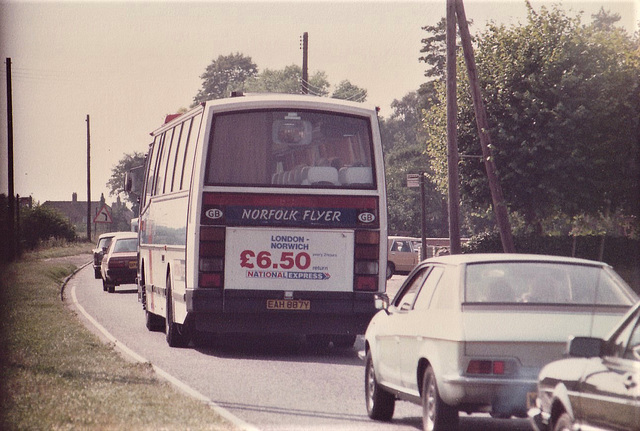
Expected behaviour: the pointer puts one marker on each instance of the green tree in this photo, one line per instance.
(347, 91)
(224, 75)
(116, 182)
(563, 103)
(287, 80)
(403, 138)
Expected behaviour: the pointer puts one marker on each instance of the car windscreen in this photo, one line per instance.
(290, 148)
(126, 245)
(545, 282)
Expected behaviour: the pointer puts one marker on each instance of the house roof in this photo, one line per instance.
(75, 211)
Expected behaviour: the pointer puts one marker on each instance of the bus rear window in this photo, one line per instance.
(284, 148)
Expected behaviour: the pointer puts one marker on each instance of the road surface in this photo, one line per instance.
(270, 383)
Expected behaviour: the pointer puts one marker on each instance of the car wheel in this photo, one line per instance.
(564, 423)
(436, 414)
(380, 403)
(104, 285)
(176, 333)
(391, 268)
(111, 287)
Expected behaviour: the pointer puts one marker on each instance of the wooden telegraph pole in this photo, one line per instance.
(305, 61)
(452, 136)
(88, 180)
(499, 207)
(13, 237)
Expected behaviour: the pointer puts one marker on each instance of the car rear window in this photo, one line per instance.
(126, 245)
(545, 282)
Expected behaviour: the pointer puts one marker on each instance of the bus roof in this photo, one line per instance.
(258, 100)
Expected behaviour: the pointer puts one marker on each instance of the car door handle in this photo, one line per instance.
(630, 381)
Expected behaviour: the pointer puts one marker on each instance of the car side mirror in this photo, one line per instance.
(381, 301)
(586, 347)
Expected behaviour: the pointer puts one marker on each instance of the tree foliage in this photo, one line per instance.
(116, 182)
(402, 138)
(41, 223)
(287, 80)
(225, 74)
(563, 103)
(347, 91)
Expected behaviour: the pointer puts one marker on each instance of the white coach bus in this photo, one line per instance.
(265, 215)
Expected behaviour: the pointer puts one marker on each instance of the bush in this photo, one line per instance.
(40, 224)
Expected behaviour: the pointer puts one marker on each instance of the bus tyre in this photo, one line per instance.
(380, 403)
(176, 333)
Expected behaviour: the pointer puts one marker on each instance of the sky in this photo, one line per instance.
(128, 64)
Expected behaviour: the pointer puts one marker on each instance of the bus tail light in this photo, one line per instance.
(366, 265)
(211, 263)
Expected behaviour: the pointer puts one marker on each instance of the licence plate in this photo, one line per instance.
(133, 264)
(288, 304)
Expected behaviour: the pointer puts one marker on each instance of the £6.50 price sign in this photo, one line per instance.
(289, 259)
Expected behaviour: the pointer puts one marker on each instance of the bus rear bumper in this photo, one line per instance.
(241, 311)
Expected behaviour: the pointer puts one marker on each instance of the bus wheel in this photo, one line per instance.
(176, 333)
(152, 321)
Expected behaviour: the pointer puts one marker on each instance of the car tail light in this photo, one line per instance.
(366, 265)
(116, 263)
(211, 255)
(488, 367)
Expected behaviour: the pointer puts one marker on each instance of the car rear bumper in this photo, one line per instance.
(505, 397)
(121, 276)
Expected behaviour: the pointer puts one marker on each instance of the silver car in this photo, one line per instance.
(471, 332)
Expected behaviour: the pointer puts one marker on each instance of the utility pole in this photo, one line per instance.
(305, 66)
(13, 239)
(499, 207)
(452, 136)
(88, 180)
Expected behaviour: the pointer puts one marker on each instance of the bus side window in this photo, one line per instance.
(150, 183)
(182, 152)
(171, 158)
(162, 162)
(176, 162)
(190, 152)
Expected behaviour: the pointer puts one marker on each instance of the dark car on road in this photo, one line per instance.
(120, 263)
(104, 241)
(597, 387)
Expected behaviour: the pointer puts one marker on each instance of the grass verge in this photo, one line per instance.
(55, 374)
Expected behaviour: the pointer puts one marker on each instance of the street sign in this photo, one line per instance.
(413, 180)
(103, 216)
